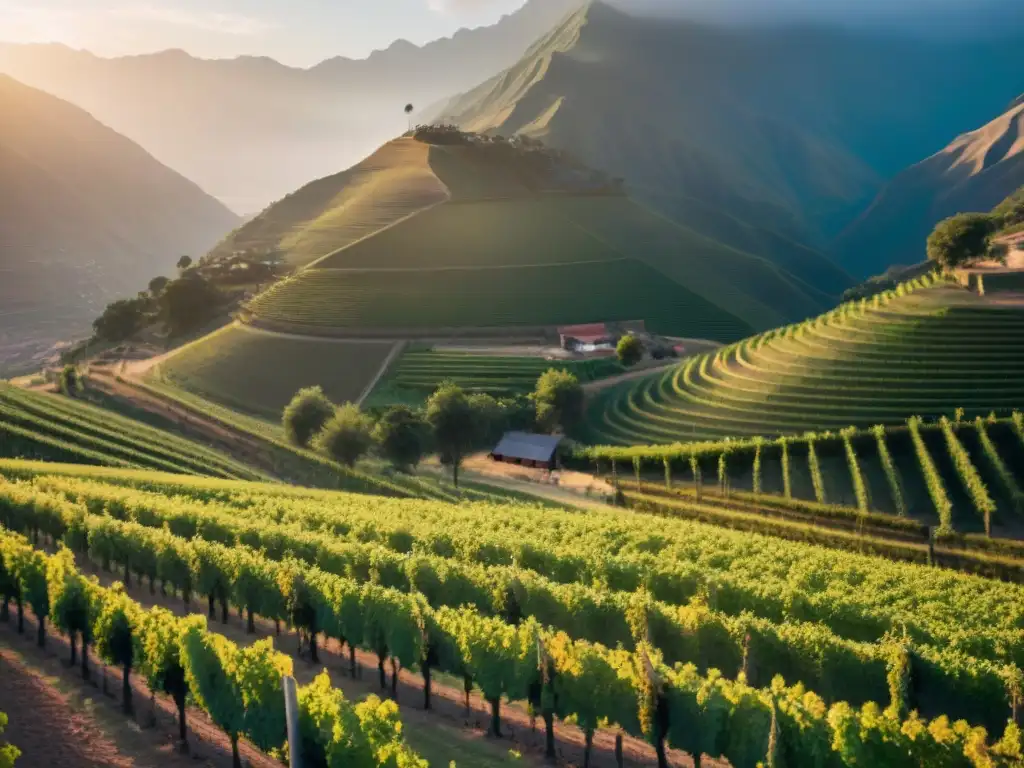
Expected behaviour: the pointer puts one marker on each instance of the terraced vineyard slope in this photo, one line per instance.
(56, 428)
(417, 374)
(858, 642)
(924, 349)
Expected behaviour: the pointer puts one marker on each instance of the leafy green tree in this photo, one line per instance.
(156, 285)
(960, 239)
(188, 303)
(8, 752)
(30, 571)
(347, 436)
(451, 420)
(1010, 212)
(402, 437)
(489, 418)
(122, 319)
(629, 350)
(184, 263)
(306, 415)
(559, 399)
(114, 637)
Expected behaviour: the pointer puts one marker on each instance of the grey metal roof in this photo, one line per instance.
(523, 445)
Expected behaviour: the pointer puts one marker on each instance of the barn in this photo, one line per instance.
(528, 450)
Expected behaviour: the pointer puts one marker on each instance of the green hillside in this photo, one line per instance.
(35, 425)
(259, 372)
(920, 352)
(418, 373)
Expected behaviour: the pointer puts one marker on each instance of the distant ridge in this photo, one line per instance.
(974, 173)
(87, 216)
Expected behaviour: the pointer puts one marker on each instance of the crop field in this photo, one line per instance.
(417, 374)
(258, 372)
(877, 658)
(624, 289)
(927, 351)
(56, 428)
(331, 213)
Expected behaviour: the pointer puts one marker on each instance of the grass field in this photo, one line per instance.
(40, 425)
(258, 372)
(924, 353)
(624, 289)
(416, 374)
(333, 212)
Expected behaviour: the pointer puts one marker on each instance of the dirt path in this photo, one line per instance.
(463, 732)
(393, 355)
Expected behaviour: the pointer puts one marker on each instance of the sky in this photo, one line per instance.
(296, 32)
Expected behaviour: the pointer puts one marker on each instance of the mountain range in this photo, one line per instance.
(974, 173)
(791, 131)
(86, 216)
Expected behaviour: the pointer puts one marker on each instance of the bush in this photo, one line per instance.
(559, 399)
(401, 437)
(347, 437)
(960, 239)
(70, 381)
(630, 350)
(306, 415)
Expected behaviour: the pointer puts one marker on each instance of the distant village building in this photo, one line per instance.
(528, 450)
(591, 335)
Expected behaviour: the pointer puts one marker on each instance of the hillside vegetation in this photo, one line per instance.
(88, 216)
(974, 173)
(924, 349)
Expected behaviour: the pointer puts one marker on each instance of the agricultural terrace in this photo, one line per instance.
(925, 348)
(879, 648)
(562, 294)
(258, 371)
(418, 373)
(959, 477)
(394, 182)
(51, 427)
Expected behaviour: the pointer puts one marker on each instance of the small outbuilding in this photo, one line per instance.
(528, 450)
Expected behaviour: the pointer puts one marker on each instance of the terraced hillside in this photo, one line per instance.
(38, 425)
(258, 372)
(925, 349)
(333, 212)
(418, 373)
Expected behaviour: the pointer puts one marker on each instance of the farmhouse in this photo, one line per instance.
(528, 449)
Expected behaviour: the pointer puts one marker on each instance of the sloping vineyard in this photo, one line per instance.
(877, 642)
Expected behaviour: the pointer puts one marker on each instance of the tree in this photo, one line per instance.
(960, 239)
(306, 415)
(489, 418)
(1010, 212)
(157, 285)
(630, 350)
(188, 303)
(122, 319)
(559, 399)
(346, 438)
(158, 653)
(401, 437)
(184, 263)
(451, 421)
(70, 381)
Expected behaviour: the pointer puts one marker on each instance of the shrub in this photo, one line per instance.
(70, 381)
(401, 437)
(306, 415)
(559, 399)
(630, 350)
(346, 437)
